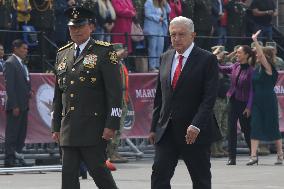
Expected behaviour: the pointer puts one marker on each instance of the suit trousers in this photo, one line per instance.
(167, 153)
(236, 109)
(94, 158)
(15, 133)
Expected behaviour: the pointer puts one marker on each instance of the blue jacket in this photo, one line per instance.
(152, 23)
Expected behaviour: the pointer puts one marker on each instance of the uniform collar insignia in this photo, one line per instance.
(113, 57)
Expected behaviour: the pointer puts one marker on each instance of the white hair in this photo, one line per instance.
(180, 20)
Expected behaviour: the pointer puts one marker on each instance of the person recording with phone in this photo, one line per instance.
(240, 97)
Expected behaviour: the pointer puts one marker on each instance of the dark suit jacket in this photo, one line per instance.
(191, 103)
(17, 86)
(88, 94)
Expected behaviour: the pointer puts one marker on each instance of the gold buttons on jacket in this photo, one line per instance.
(96, 114)
(72, 108)
(71, 95)
(93, 80)
(73, 70)
(72, 82)
(82, 79)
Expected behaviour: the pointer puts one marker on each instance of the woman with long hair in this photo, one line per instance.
(105, 16)
(240, 98)
(264, 123)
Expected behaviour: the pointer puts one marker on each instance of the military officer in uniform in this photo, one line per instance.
(237, 22)
(221, 105)
(279, 63)
(87, 102)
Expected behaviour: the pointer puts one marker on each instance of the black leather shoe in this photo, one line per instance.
(83, 174)
(11, 164)
(23, 163)
(231, 162)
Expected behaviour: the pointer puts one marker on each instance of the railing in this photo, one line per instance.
(42, 55)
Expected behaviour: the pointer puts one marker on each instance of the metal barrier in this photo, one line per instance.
(45, 52)
(39, 169)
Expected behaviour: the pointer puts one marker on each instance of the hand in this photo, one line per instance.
(56, 136)
(270, 12)
(122, 53)
(254, 36)
(133, 13)
(32, 93)
(246, 112)
(191, 135)
(221, 56)
(152, 137)
(108, 134)
(16, 112)
(109, 26)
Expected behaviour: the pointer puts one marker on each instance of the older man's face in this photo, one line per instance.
(181, 37)
(80, 34)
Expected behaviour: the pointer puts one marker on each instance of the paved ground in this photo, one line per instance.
(136, 175)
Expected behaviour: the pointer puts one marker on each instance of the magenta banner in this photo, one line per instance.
(142, 90)
(137, 122)
(39, 119)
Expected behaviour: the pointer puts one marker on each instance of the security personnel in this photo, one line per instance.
(203, 25)
(279, 63)
(87, 102)
(221, 105)
(237, 22)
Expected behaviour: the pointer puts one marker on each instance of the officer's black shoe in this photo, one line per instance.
(11, 163)
(23, 163)
(83, 174)
(231, 162)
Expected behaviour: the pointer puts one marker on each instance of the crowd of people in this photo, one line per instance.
(217, 22)
(245, 96)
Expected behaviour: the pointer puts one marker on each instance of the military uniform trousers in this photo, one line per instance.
(94, 157)
(15, 133)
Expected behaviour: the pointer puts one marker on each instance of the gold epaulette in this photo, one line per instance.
(103, 43)
(66, 46)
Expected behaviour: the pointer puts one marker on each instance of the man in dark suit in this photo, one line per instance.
(87, 102)
(183, 124)
(18, 89)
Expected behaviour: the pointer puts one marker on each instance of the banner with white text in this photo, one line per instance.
(142, 90)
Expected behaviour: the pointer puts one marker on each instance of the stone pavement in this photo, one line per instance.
(136, 175)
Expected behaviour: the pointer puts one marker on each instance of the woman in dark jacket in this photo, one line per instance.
(240, 97)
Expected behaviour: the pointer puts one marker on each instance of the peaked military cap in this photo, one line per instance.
(252, 45)
(271, 44)
(78, 16)
(236, 47)
(222, 48)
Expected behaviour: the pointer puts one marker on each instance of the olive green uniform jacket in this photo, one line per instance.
(88, 94)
